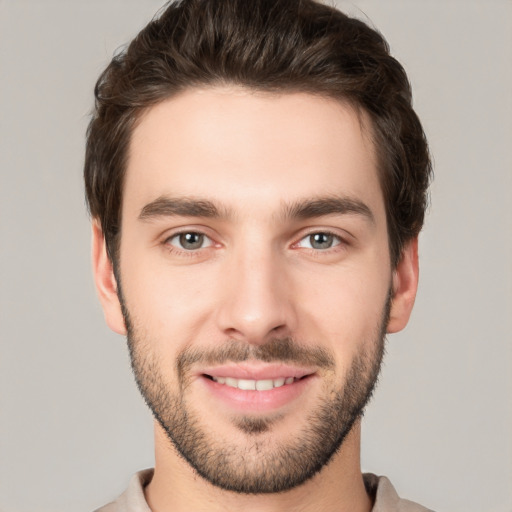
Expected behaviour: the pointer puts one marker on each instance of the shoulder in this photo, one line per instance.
(386, 498)
(132, 500)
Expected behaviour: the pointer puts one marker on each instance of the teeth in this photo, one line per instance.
(254, 385)
(231, 382)
(279, 382)
(247, 385)
(264, 385)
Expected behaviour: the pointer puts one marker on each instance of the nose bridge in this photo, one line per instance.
(256, 305)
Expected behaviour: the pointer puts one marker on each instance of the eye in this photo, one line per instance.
(189, 241)
(319, 241)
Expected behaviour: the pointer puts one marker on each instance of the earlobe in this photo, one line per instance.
(105, 281)
(405, 285)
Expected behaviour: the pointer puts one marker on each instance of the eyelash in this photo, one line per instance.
(341, 243)
(183, 251)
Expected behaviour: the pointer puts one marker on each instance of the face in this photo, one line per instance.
(255, 280)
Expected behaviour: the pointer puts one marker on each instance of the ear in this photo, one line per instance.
(105, 281)
(405, 285)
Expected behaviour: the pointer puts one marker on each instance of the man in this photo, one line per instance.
(257, 181)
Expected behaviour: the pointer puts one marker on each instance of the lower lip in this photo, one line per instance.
(258, 401)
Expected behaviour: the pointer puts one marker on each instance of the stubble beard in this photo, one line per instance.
(258, 467)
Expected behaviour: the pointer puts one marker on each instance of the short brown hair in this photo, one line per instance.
(266, 45)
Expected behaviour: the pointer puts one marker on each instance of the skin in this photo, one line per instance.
(254, 156)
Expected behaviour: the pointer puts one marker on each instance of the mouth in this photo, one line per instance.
(256, 388)
(254, 385)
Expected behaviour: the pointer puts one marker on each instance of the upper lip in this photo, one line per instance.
(257, 371)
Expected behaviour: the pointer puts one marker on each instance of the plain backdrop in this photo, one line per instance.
(72, 425)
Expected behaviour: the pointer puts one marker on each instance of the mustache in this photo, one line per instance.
(277, 350)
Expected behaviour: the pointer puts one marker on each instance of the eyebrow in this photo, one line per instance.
(329, 205)
(165, 206)
(182, 206)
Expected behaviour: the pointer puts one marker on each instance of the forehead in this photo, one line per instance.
(239, 147)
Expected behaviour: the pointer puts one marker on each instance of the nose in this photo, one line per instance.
(256, 301)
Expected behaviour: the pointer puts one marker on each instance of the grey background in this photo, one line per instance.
(72, 426)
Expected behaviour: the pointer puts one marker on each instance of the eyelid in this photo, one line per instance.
(176, 232)
(337, 241)
(344, 238)
(177, 235)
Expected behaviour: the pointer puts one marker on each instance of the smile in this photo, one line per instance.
(256, 389)
(254, 385)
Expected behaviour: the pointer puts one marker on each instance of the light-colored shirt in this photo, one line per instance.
(378, 487)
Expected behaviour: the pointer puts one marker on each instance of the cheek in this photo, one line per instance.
(170, 305)
(346, 311)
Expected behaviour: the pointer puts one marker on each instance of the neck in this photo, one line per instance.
(338, 487)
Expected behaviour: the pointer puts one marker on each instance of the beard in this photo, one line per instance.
(257, 467)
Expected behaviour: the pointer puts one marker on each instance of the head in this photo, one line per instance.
(257, 179)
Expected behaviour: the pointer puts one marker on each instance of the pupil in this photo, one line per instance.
(191, 240)
(321, 240)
